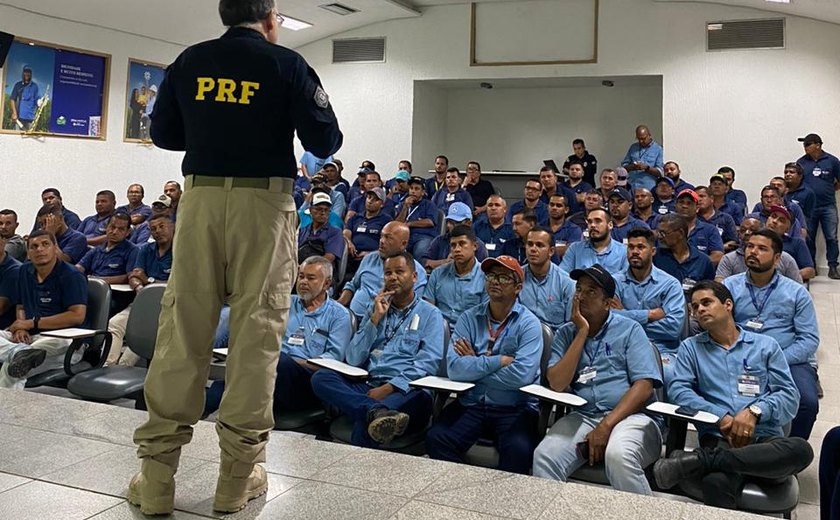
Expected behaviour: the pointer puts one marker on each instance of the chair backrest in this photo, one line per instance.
(354, 321)
(441, 222)
(98, 307)
(659, 393)
(141, 329)
(338, 278)
(686, 328)
(548, 339)
(442, 368)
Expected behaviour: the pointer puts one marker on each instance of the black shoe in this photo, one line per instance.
(385, 424)
(819, 388)
(833, 273)
(681, 465)
(25, 360)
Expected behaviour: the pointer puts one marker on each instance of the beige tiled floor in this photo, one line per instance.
(70, 459)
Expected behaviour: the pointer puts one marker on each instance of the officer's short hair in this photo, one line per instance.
(238, 12)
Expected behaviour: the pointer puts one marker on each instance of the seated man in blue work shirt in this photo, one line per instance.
(523, 221)
(664, 201)
(723, 222)
(318, 327)
(564, 231)
(676, 256)
(576, 188)
(768, 303)
(651, 297)
(606, 359)
(547, 290)
(772, 195)
(492, 227)
(420, 215)
(142, 233)
(459, 284)
(93, 227)
(599, 248)
(358, 294)
(372, 180)
(498, 347)
(719, 190)
(135, 208)
(779, 221)
(9, 269)
(319, 237)
(620, 205)
(399, 340)
(743, 378)
(152, 265)
(734, 196)
(438, 253)
(452, 192)
(705, 237)
(361, 233)
(50, 295)
(52, 197)
(734, 263)
(533, 189)
(114, 259)
(71, 244)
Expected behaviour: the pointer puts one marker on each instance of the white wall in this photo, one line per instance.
(80, 168)
(428, 134)
(742, 108)
(517, 128)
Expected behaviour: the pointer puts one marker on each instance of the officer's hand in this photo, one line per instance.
(462, 347)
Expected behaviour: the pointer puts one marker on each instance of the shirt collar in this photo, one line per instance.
(484, 310)
(773, 280)
(243, 32)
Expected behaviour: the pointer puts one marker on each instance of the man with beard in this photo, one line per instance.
(576, 187)
(492, 228)
(672, 171)
(768, 303)
(797, 192)
(779, 221)
(563, 230)
(620, 204)
(734, 263)
(592, 200)
(399, 340)
(651, 297)
(359, 293)
(438, 180)
(599, 248)
(644, 206)
(523, 222)
(533, 189)
(547, 290)
(420, 216)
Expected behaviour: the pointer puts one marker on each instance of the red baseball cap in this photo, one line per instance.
(689, 193)
(508, 262)
(780, 209)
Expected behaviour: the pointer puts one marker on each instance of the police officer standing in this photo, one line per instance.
(233, 104)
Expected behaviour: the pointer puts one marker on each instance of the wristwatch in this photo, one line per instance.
(755, 411)
(151, 280)
(35, 321)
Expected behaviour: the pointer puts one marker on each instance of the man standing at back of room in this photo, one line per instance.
(236, 241)
(590, 163)
(821, 172)
(643, 160)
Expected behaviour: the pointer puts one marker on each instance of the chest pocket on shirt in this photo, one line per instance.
(317, 343)
(469, 299)
(410, 342)
(556, 311)
(616, 359)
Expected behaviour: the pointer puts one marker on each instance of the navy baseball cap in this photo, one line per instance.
(599, 275)
(622, 193)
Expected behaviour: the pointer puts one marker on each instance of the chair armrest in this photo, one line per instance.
(73, 333)
(441, 384)
(79, 340)
(121, 287)
(341, 368)
(670, 410)
(546, 394)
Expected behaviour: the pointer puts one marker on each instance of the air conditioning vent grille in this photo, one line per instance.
(359, 50)
(746, 34)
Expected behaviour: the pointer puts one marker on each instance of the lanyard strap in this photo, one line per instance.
(495, 335)
(603, 333)
(767, 294)
(411, 212)
(390, 336)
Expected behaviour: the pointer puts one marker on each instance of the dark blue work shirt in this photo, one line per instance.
(737, 198)
(117, 261)
(365, 232)
(540, 211)
(142, 209)
(804, 197)
(420, 211)
(697, 267)
(724, 224)
(94, 225)
(571, 192)
(358, 205)
(796, 247)
(73, 244)
(9, 269)
(141, 234)
(70, 218)
(494, 238)
(154, 265)
(820, 176)
(705, 237)
(63, 288)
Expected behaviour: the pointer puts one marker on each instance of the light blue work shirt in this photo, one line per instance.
(496, 385)
(550, 297)
(620, 354)
(650, 155)
(407, 345)
(657, 290)
(322, 333)
(453, 294)
(581, 255)
(706, 379)
(785, 310)
(369, 279)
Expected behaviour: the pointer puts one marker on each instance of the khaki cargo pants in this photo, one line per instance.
(238, 240)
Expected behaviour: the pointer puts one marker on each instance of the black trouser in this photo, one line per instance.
(771, 459)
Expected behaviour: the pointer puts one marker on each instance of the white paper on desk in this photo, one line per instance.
(671, 409)
(442, 383)
(551, 395)
(338, 366)
(221, 352)
(121, 287)
(68, 333)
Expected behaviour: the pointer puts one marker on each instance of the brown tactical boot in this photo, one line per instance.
(153, 488)
(238, 483)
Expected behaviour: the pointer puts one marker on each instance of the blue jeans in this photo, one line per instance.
(830, 476)
(222, 335)
(420, 247)
(351, 398)
(459, 427)
(825, 216)
(805, 379)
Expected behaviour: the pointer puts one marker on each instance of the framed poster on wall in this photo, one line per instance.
(144, 78)
(50, 90)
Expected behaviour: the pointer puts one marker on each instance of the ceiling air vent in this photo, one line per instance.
(746, 34)
(359, 50)
(337, 8)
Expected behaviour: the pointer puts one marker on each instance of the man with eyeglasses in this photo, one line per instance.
(319, 237)
(498, 347)
(599, 248)
(821, 171)
(606, 359)
(677, 257)
(533, 189)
